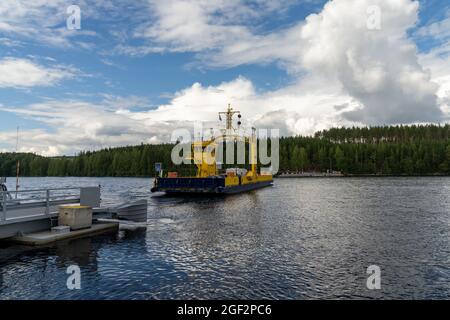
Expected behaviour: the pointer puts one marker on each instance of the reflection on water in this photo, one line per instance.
(301, 239)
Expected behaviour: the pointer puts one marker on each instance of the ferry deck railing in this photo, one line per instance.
(15, 205)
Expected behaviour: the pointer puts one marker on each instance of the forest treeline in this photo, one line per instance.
(391, 150)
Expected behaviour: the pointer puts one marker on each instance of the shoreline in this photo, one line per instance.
(299, 176)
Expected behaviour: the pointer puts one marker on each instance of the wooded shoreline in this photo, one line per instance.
(375, 151)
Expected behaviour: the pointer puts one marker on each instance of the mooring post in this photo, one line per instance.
(47, 208)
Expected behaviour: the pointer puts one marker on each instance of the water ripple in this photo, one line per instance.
(301, 239)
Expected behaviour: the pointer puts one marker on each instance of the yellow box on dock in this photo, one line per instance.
(75, 216)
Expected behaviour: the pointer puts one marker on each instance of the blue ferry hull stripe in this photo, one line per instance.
(217, 189)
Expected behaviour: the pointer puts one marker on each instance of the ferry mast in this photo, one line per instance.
(229, 119)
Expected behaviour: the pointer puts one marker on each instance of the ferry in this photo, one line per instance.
(208, 179)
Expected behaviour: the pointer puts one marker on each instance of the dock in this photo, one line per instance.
(27, 216)
(47, 237)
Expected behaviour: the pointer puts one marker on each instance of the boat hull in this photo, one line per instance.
(133, 211)
(205, 186)
(247, 187)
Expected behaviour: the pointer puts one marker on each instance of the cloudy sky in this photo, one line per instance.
(136, 70)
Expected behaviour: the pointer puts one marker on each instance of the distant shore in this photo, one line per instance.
(310, 175)
(342, 175)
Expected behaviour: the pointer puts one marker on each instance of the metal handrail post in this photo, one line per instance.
(47, 209)
(4, 204)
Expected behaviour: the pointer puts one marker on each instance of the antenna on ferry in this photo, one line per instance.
(229, 119)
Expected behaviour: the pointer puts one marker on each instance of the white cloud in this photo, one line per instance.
(7, 42)
(439, 29)
(78, 125)
(378, 68)
(222, 33)
(195, 26)
(20, 73)
(44, 21)
(437, 61)
(299, 101)
(343, 74)
(75, 126)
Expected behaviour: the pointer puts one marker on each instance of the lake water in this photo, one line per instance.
(300, 239)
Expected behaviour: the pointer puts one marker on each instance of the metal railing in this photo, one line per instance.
(14, 201)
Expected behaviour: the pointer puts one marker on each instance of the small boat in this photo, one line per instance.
(208, 179)
(132, 211)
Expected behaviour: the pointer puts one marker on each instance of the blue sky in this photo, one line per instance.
(135, 71)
